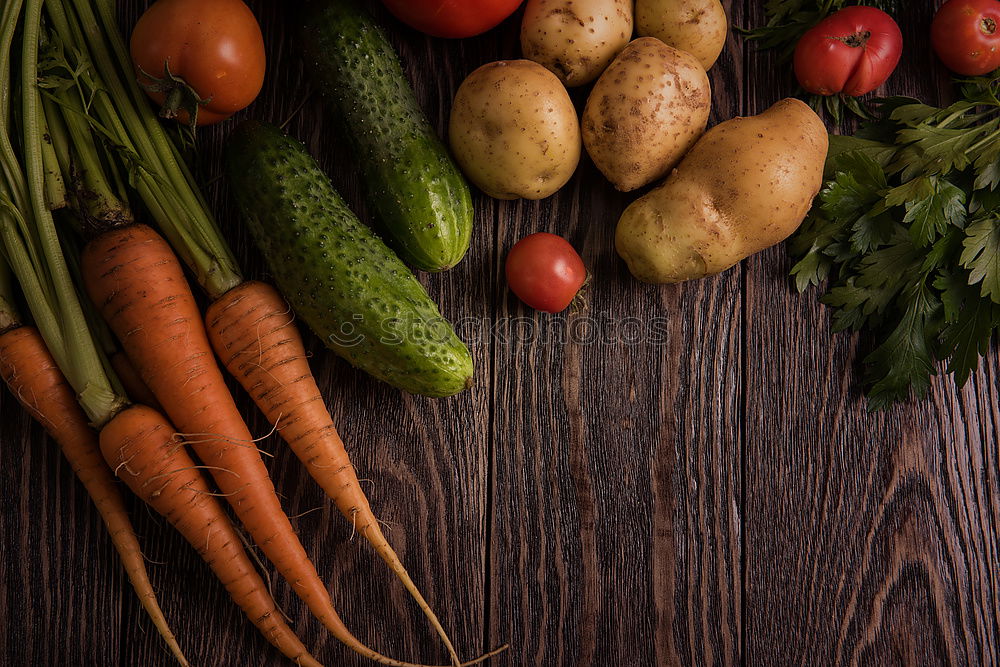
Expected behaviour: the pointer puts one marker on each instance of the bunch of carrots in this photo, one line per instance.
(119, 365)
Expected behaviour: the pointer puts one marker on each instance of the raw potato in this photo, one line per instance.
(514, 130)
(575, 39)
(645, 112)
(746, 185)
(696, 26)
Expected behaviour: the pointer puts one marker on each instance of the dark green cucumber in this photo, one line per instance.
(413, 187)
(348, 286)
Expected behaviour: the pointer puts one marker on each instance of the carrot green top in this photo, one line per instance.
(8, 311)
(27, 229)
(118, 109)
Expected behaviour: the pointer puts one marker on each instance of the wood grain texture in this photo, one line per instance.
(870, 538)
(675, 475)
(615, 527)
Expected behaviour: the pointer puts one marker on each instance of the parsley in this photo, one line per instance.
(905, 235)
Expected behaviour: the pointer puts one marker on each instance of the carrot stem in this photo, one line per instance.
(80, 361)
(55, 186)
(96, 201)
(59, 137)
(98, 328)
(9, 317)
(10, 169)
(17, 235)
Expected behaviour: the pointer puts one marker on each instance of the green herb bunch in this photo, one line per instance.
(907, 231)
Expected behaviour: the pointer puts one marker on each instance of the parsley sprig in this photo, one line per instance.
(906, 234)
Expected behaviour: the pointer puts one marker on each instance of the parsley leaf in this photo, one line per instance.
(903, 361)
(982, 255)
(865, 296)
(970, 322)
(987, 166)
(932, 204)
(814, 237)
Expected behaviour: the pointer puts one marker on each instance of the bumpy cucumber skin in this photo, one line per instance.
(414, 187)
(339, 277)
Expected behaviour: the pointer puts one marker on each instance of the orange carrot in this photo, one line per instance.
(252, 331)
(140, 444)
(33, 377)
(135, 280)
(136, 389)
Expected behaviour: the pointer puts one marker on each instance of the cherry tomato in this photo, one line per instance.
(199, 56)
(852, 51)
(545, 272)
(452, 18)
(966, 37)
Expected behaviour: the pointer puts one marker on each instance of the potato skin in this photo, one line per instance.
(575, 39)
(696, 26)
(645, 112)
(514, 130)
(745, 186)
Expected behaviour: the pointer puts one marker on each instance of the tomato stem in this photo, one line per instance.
(857, 39)
(988, 26)
(179, 94)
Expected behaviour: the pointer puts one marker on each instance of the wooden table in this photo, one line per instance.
(708, 491)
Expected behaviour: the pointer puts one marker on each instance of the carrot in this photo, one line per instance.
(92, 40)
(140, 444)
(33, 377)
(133, 384)
(32, 246)
(136, 282)
(55, 371)
(252, 331)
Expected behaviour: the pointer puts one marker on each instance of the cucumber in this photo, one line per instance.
(418, 195)
(338, 276)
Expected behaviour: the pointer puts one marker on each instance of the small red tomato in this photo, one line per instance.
(545, 272)
(452, 18)
(197, 57)
(965, 36)
(852, 51)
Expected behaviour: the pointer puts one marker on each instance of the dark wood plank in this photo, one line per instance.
(58, 575)
(616, 525)
(870, 538)
(588, 494)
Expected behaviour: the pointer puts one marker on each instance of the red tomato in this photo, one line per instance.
(545, 272)
(214, 52)
(452, 18)
(965, 36)
(852, 51)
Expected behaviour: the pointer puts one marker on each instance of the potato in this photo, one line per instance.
(645, 112)
(575, 39)
(696, 26)
(746, 185)
(514, 130)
